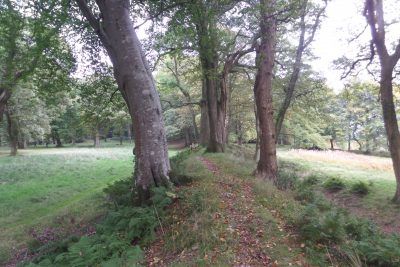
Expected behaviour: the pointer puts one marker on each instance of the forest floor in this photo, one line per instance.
(48, 193)
(223, 217)
(225, 220)
(376, 172)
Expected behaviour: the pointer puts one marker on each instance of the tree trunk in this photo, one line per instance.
(4, 97)
(267, 166)
(294, 75)
(121, 139)
(130, 133)
(256, 156)
(136, 83)
(391, 125)
(332, 147)
(223, 107)
(215, 143)
(374, 14)
(204, 122)
(209, 65)
(12, 132)
(97, 139)
(349, 142)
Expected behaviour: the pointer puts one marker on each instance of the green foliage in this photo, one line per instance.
(311, 180)
(286, 180)
(178, 174)
(121, 193)
(334, 184)
(103, 250)
(360, 188)
(378, 250)
(111, 245)
(325, 229)
(321, 223)
(304, 194)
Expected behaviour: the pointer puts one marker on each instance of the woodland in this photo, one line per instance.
(196, 133)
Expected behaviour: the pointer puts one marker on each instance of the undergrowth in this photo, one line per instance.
(121, 235)
(331, 234)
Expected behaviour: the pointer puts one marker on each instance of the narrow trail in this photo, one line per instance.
(249, 236)
(237, 207)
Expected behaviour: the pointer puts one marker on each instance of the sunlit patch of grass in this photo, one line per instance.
(376, 172)
(340, 158)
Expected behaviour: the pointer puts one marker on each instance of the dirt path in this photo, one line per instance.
(237, 207)
(250, 238)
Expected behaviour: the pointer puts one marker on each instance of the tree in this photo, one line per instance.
(29, 40)
(199, 26)
(374, 15)
(306, 37)
(267, 166)
(115, 29)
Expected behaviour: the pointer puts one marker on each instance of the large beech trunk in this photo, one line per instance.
(267, 166)
(136, 83)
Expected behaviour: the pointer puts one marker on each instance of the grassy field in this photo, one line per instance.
(55, 190)
(377, 172)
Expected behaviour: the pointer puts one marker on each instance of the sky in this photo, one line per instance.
(343, 20)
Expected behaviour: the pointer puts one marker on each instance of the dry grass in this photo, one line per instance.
(341, 158)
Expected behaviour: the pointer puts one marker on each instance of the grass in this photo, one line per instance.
(376, 172)
(57, 188)
(199, 230)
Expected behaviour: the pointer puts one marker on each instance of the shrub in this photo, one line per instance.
(359, 229)
(304, 194)
(286, 180)
(177, 173)
(379, 250)
(334, 184)
(360, 188)
(121, 193)
(317, 228)
(311, 180)
(112, 243)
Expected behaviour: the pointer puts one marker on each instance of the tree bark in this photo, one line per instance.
(12, 132)
(135, 82)
(206, 31)
(4, 97)
(375, 17)
(223, 107)
(204, 122)
(267, 166)
(97, 139)
(256, 156)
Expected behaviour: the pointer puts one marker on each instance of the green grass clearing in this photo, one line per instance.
(59, 188)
